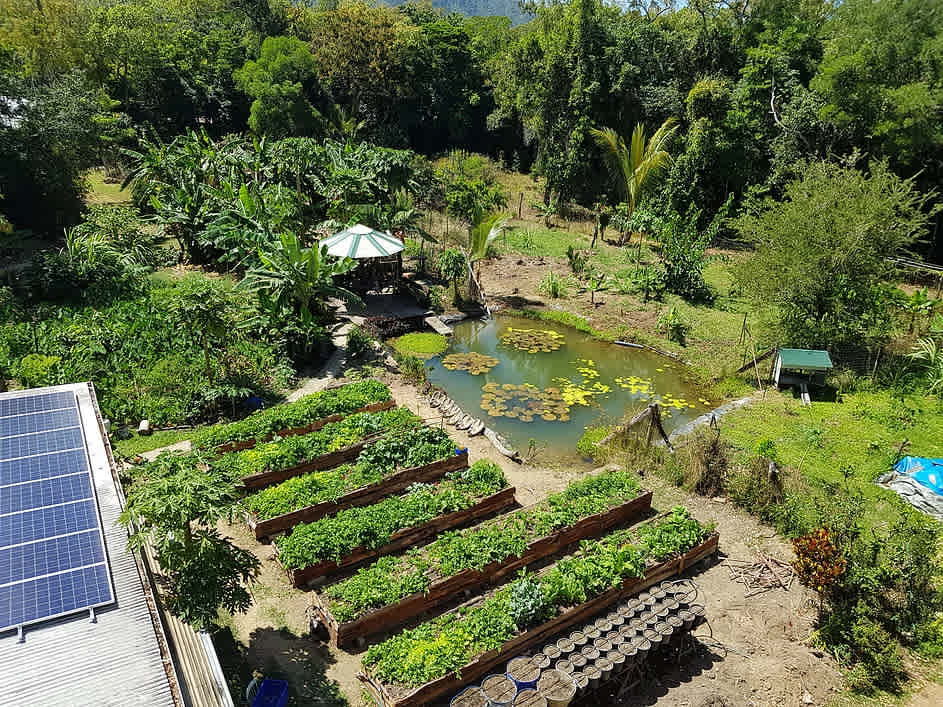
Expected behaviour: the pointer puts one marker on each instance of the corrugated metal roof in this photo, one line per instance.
(807, 359)
(115, 661)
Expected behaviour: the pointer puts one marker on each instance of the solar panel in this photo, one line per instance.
(52, 552)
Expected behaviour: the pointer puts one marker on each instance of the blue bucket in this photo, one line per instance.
(272, 693)
(523, 672)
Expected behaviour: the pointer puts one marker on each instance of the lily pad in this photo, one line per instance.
(473, 362)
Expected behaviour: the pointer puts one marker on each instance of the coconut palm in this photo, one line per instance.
(482, 231)
(634, 168)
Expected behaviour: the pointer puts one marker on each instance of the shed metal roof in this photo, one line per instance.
(805, 359)
(118, 659)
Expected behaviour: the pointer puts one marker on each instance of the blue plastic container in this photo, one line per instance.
(518, 668)
(458, 451)
(272, 693)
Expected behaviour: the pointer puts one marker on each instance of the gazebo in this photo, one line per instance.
(379, 253)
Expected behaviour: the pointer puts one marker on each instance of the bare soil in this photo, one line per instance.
(753, 653)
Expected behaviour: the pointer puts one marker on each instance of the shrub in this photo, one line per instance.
(553, 286)
(412, 368)
(587, 446)
(674, 325)
(577, 260)
(452, 266)
(37, 370)
(358, 341)
(527, 604)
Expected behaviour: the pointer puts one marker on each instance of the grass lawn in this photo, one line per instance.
(102, 192)
(138, 444)
(859, 435)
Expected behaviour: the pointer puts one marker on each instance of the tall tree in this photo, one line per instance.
(820, 257)
(635, 167)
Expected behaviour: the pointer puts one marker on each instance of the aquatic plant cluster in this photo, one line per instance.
(532, 340)
(524, 402)
(473, 362)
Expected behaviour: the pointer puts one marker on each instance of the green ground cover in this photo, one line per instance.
(138, 444)
(858, 437)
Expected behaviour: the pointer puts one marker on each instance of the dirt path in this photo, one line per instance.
(757, 655)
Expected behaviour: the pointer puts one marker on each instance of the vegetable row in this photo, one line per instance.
(392, 579)
(446, 643)
(408, 444)
(303, 411)
(371, 527)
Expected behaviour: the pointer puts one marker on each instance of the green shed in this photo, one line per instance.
(799, 366)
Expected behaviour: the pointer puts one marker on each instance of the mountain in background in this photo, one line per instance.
(480, 8)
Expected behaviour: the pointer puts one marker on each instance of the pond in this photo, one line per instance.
(548, 382)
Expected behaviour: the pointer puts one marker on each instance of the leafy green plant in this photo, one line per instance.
(587, 446)
(335, 537)
(173, 505)
(296, 414)
(452, 266)
(412, 367)
(402, 447)
(37, 370)
(577, 260)
(553, 286)
(284, 453)
(421, 344)
(527, 604)
(358, 341)
(497, 540)
(673, 324)
(446, 643)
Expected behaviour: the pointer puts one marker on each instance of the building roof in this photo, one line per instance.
(805, 359)
(121, 657)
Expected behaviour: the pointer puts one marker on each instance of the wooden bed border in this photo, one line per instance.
(306, 429)
(395, 483)
(405, 538)
(450, 684)
(393, 615)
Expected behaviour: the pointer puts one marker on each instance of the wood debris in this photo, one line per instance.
(761, 575)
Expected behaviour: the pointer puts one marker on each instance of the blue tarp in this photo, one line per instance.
(925, 471)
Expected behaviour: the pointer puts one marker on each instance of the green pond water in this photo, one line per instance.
(552, 396)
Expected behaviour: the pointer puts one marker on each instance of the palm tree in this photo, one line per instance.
(293, 277)
(634, 168)
(482, 231)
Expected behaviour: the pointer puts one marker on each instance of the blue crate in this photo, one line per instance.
(272, 693)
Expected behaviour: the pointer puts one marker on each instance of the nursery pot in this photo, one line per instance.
(523, 672)
(592, 672)
(578, 660)
(499, 689)
(564, 666)
(541, 661)
(616, 619)
(552, 651)
(582, 682)
(470, 697)
(591, 653)
(565, 645)
(530, 698)
(687, 618)
(603, 645)
(700, 615)
(605, 669)
(618, 661)
(592, 633)
(604, 625)
(578, 638)
(558, 688)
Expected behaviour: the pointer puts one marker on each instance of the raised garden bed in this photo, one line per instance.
(417, 535)
(424, 649)
(440, 591)
(393, 484)
(304, 429)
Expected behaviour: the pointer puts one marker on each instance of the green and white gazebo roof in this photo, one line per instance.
(361, 242)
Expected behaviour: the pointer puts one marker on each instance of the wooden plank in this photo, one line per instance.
(472, 671)
(306, 429)
(405, 538)
(393, 615)
(438, 325)
(391, 485)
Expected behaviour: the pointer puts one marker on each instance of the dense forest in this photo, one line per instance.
(757, 89)
(710, 180)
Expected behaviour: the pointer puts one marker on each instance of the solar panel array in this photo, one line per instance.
(52, 553)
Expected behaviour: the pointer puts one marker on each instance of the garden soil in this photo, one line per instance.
(755, 651)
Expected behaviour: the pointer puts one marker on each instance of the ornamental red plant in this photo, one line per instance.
(818, 562)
